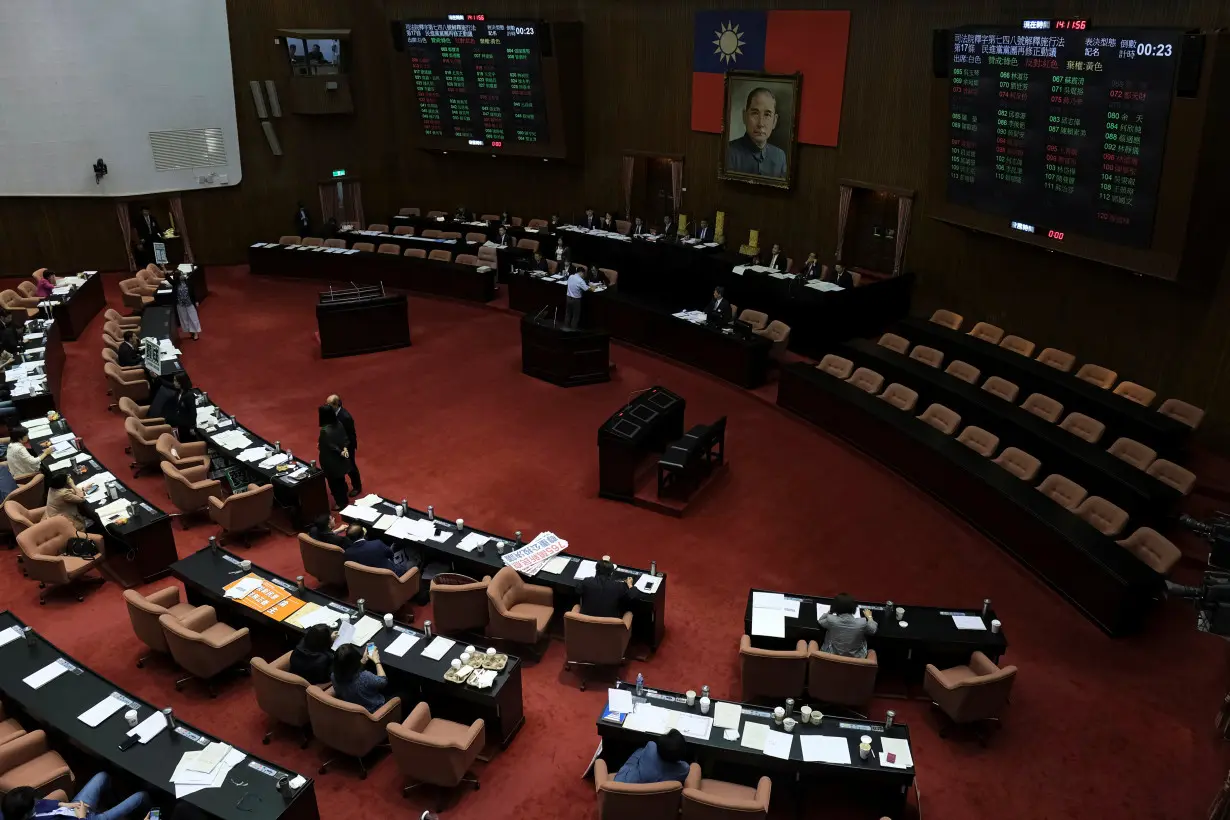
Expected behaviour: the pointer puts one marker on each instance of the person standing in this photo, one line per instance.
(572, 307)
(148, 233)
(334, 453)
(303, 220)
(181, 410)
(184, 306)
(352, 438)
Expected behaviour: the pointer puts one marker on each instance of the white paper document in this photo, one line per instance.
(345, 632)
(825, 749)
(438, 648)
(556, 565)
(102, 710)
(148, 729)
(365, 630)
(769, 623)
(768, 600)
(898, 747)
(47, 674)
(791, 608)
(649, 583)
(384, 522)
(778, 744)
(727, 715)
(241, 589)
(585, 569)
(697, 727)
(323, 615)
(208, 758)
(972, 622)
(472, 541)
(619, 700)
(369, 500)
(754, 736)
(648, 718)
(366, 514)
(10, 634)
(401, 645)
(822, 610)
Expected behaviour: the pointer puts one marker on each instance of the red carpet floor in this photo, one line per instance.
(1096, 728)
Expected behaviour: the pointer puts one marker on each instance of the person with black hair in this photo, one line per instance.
(845, 632)
(46, 284)
(345, 419)
(127, 352)
(503, 238)
(374, 553)
(719, 310)
(354, 684)
(312, 659)
(607, 223)
(603, 595)
(181, 409)
(589, 220)
(303, 219)
(23, 803)
(21, 460)
(334, 448)
(10, 339)
(638, 227)
(185, 306)
(322, 530)
(63, 498)
(657, 761)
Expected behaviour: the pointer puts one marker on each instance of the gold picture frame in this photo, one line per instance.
(760, 158)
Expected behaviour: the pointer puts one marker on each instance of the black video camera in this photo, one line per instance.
(1216, 531)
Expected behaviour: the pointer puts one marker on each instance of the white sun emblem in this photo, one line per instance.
(729, 42)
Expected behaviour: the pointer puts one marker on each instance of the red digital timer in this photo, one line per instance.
(1072, 25)
(497, 144)
(1056, 235)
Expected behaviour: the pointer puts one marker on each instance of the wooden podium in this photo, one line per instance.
(361, 320)
(564, 357)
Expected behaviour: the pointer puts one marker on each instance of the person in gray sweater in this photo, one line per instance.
(845, 631)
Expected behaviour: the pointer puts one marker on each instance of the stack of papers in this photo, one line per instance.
(232, 440)
(274, 460)
(972, 622)
(472, 541)
(206, 769)
(311, 614)
(900, 748)
(369, 500)
(357, 634)
(727, 715)
(816, 284)
(530, 559)
(364, 514)
(243, 587)
(438, 648)
(769, 611)
(253, 454)
(696, 317)
(586, 569)
(409, 529)
(110, 513)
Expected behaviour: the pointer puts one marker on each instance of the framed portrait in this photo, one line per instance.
(760, 126)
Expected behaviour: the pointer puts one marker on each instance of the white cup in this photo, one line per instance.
(491, 651)
(691, 697)
(455, 663)
(245, 565)
(995, 625)
(788, 724)
(779, 714)
(471, 649)
(864, 750)
(900, 612)
(465, 657)
(460, 523)
(816, 717)
(388, 620)
(131, 717)
(704, 706)
(865, 739)
(805, 713)
(606, 558)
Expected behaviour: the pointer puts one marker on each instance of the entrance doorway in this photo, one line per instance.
(651, 185)
(341, 200)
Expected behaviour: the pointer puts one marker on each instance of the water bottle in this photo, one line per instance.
(300, 584)
(431, 513)
(213, 544)
(361, 603)
(518, 534)
(404, 507)
(290, 457)
(170, 718)
(313, 464)
(426, 629)
(277, 446)
(888, 719)
(789, 707)
(653, 568)
(28, 632)
(986, 607)
(640, 684)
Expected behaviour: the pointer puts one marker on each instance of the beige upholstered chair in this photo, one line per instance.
(27, 288)
(126, 384)
(383, 589)
(987, 332)
(1063, 491)
(435, 214)
(379, 227)
(189, 488)
(1133, 452)
(22, 307)
(1082, 426)
(31, 494)
(282, 695)
(468, 259)
(204, 647)
(389, 248)
(771, 673)
(841, 680)
(113, 344)
(490, 218)
(42, 548)
(476, 238)
(415, 253)
(517, 611)
(706, 799)
(144, 612)
(1097, 375)
(1154, 549)
(900, 396)
(1059, 359)
(182, 454)
(635, 801)
(110, 356)
(408, 212)
(528, 244)
(20, 518)
(590, 641)
(435, 752)
(964, 371)
(335, 243)
(440, 256)
(348, 727)
(623, 226)
(835, 366)
(326, 562)
(459, 607)
(927, 355)
(363, 246)
(895, 343)
(979, 440)
(313, 241)
(10, 728)
(612, 279)
(1018, 345)
(1170, 473)
(970, 694)
(1001, 388)
(866, 380)
(244, 511)
(134, 296)
(1102, 515)
(1182, 412)
(755, 318)
(450, 235)
(289, 239)
(948, 319)
(488, 255)
(403, 230)
(1020, 463)
(537, 224)
(125, 322)
(941, 418)
(432, 233)
(27, 760)
(1135, 392)
(779, 334)
(143, 440)
(1044, 407)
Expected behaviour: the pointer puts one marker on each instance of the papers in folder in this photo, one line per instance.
(205, 769)
(438, 648)
(768, 623)
(619, 700)
(311, 614)
(472, 541)
(900, 749)
(727, 715)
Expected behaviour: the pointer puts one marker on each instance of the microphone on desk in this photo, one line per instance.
(555, 319)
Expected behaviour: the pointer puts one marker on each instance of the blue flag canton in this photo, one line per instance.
(729, 41)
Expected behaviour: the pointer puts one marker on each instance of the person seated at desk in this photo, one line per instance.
(503, 239)
(553, 223)
(589, 220)
(374, 553)
(811, 267)
(719, 310)
(10, 339)
(657, 761)
(45, 285)
(603, 595)
(608, 222)
(638, 227)
(842, 277)
(703, 232)
(504, 220)
(322, 530)
(845, 632)
(597, 277)
(540, 262)
(463, 214)
(354, 684)
(127, 352)
(21, 461)
(312, 658)
(23, 803)
(63, 498)
(669, 229)
(777, 259)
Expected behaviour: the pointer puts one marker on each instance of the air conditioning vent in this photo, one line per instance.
(193, 148)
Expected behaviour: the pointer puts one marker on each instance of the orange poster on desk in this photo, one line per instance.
(264, 596)
(284, 609)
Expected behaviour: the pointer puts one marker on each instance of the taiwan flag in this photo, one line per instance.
(812, 43)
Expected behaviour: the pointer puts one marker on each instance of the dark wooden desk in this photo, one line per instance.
(568, 358)
(198, 289)
(77, 309)
(642, 427)
(56, 705)
(40, 404)
(407, 242)
(349, 327)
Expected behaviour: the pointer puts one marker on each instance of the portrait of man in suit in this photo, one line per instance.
(760, 128)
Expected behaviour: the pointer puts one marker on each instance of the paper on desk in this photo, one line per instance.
(648, 583)
(556, 565)
(319, 615)
(384, 522)
(274, 460)
(148, 729)
(585, 569)
(362, 513)
(727, 715)
(730, 734)
(47, 674)
(208, 758)
(345, 632)
(769, 623)
(63, 437)
(778, 744)
(619, 700)
(80, 457)
(825, 749)
(754, 736)
(968, 622)
(697, 727)
(438, 648)
(899, 747)
(821, 610)
(242, 588)
(100, 711)
(401, 645)
(369, 500)
(10, 634)
(472, 541)
(365, 630)
(768, 600)
(791, 608)
(648, 718)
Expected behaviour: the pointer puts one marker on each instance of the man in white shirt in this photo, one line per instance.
(572, 306)
(21, 462)
(777, 259)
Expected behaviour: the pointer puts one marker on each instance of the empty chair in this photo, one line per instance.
(440, 256)
(1133, 452)
(1104, 516)
(408, 212)
(383, 589)
(435, 214)
(927, 355)
(43, 548)
(143, 440)
(490, 218)
(21, 307)
(335, 243)
(1018, 345)
(537, 224)
(1135, 392)
(27, 288)
(432, 233)
(458, 603)
(1082, 426)
(363, 246)
(403, 230)
(1153, 548)
(839, 679)
(434, 751)
(325, 562)
(467, 259)
(707, 799)
(1170, 473)
(1044, 407)
(476, 238)
(289, 239)
(895, 343)
(623, 226)
(635, 801)
(1063, 491)
(515, 221)
(389, 248)
(348, 727)
(30, 495)
(612, 279)
(964, 371)
(313, 241)
(182, 454)
(980, 441)
(190, 488)
(987, 332)
(1059, 359)
(1182, 412)
(941, 418)
(21, 519)
(204, 647)
(518, 611)
(27, 760)
(755, 318)
(866, 380)
(900, 396)
(144, 612)
(1020, 463)
(488, 255)
(282, 695)
(970, 694)
(450, 234)
(835, 366)
(1001, 388)
(528, 244)
(379, 227)
(1097, 375)
(125, 322)
(133, 294)
(244, 511)
(126, 383)
(417, 253)
(948, 319)
(772, 673)
(777, 332)
(594, 642)
(9, 727)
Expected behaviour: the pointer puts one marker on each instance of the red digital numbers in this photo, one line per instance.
(497, 144)
(1073, 25)
(1056, 235)
(477, 17)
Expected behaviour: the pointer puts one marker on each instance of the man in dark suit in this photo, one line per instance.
(638, 228)
(607, 222)
(703, 232)
(374, 553)
(303, 220)
(504, 239)
(347, 421)
(539, 263)
(669, 230)
(603, 595)
(811, 267)
(10, 340)
(842, 277)
(463, 214)
(719, 310)
(127, 352)
(147, 233)
(589, 221)
(777, 259)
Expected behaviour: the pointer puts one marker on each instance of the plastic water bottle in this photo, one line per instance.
(888, 719)
(362, 604)
(170, 718)
(653, 568)
(404, 507)
(640, 684)
(431, 513)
